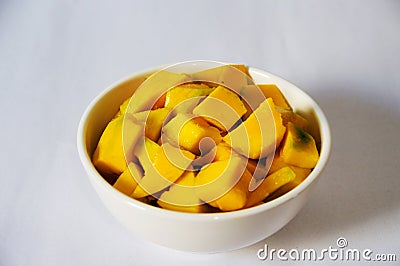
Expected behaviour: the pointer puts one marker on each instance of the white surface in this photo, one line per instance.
(56, 56)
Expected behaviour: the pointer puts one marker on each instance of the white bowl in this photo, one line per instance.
(209, 232)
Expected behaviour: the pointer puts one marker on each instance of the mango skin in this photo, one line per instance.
(109, 156)
(299, 148)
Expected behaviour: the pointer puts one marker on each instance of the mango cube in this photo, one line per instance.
(153, 120)
(298, 148)
(259, 134)
(181, 196)
(183, 93)
(109, 156)
(187, 132)
(164, 172)
(222, 108)
(224, 183)
(127, 181)
(270, 184)
(290, 116)
(272, 91)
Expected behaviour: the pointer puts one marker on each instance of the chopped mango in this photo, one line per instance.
(272, 91)
(124, 106)
(153, 120)
(258, 128)
(187, 132)
(270, 184)
(148, 94)
(222, 108)
(222, 183)
(181, 196)
(229, 76)
(146, 153)
(301, 174)
(176, 96)
(164, 172)
(290, 116)
(242, 68)
(127, 181)
(109, 156)
(223, 152)
(298, 148)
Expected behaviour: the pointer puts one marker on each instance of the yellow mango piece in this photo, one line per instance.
(179, 94)
(124, 106)
(153, 120)
(270, 184)
(149, 92)
(242, 68)
(146, 152)
(109, 155)
(164, 172)
(259, 168)
(221, 183)
(127, 181)
(230, 76)
(259, 134)
(272, 91)
(298, 148)
(181, 196)
(301, 174)
(290, 116)
(187, 132)
(222, 108)
(223, 152)
(237, 197)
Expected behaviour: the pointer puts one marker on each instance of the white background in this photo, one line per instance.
(56, 56)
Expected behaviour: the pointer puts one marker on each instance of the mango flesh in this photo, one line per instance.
(259, 134)
(270, 184)
(164, 172)
(272, 91)
(298, 148)
(153, 120)
(223, 183)
(109, 156)
(290, 116)
(222, 108)
(229, 76)
(187, 132)
(127, 181)
(181, 196)
(176, 96)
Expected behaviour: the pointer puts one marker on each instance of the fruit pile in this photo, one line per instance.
(206, 142)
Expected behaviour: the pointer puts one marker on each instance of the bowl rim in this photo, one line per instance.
(95, 176)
